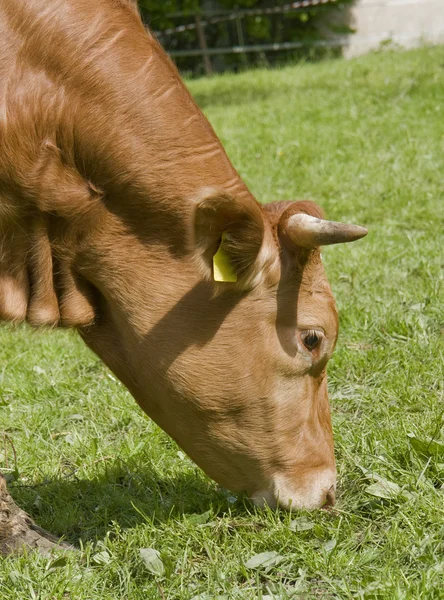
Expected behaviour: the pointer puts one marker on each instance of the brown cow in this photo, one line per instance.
(115, 195)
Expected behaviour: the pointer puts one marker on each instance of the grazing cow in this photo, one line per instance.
(121, 216)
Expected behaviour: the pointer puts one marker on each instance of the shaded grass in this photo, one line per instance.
(365, 139)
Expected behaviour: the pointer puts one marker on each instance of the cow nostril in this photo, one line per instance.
(330, 498)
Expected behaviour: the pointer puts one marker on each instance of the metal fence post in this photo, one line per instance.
(240, 37)
(203, 45)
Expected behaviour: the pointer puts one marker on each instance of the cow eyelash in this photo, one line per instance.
(311, 339)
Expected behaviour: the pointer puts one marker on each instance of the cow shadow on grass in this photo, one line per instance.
(122, 495)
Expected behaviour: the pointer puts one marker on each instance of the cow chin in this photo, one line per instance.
(317, 492)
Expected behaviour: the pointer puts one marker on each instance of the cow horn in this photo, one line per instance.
(307, 231)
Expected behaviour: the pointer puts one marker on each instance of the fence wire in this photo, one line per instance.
(244, 12)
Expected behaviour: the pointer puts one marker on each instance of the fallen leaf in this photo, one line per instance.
(384, 489)
(264, 559)
(330, 545)
(101, 558)
(15, 576)
(301, 524)
(77, 417)
(152, 560)
(209, 597)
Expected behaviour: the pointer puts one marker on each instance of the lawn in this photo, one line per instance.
(365, 139)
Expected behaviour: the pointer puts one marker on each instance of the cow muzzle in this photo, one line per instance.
(316, 491)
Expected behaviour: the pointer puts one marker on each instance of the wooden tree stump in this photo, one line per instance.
(18, 531)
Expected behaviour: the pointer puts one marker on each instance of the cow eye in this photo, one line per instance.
(311, 339)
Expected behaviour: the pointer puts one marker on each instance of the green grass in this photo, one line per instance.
(365, 139)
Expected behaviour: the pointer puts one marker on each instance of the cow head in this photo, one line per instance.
(263, 378)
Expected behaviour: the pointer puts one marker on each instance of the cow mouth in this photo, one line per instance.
(322, 499)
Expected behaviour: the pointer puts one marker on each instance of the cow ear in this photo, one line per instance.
(229, 239)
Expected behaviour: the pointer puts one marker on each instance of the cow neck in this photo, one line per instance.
(124, 112)
(113, 136)
(160, 146)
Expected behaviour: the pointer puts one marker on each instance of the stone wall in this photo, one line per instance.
(407, 23)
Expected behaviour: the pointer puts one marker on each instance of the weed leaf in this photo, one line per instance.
(427, 446)
(196, 519)
(57, 563)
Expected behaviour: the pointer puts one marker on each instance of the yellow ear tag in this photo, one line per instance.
(222, 268)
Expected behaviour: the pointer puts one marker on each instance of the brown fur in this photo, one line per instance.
(114, 193)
